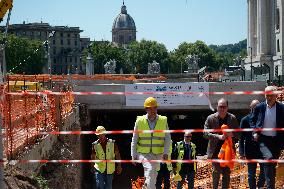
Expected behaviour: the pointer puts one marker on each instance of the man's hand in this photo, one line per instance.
(222, 137)
(165, 156)
(255, 137)
(118, 169)
(134, 158)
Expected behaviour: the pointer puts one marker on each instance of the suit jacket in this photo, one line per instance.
(247, 146)
(257, 119)
(212, 122)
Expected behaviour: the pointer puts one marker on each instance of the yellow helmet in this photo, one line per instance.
(150, 102)
(177, 177)
(100, 130)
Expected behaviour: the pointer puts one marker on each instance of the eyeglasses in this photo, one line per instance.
(222, 106)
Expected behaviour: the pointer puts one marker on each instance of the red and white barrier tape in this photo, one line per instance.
(159, 131)
(13, 162)
(149, 93)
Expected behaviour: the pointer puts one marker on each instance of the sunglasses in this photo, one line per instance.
(187, 136)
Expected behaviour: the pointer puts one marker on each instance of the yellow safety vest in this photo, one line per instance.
(151, 142)
(181, 154)
(101, 155)
(169, 165)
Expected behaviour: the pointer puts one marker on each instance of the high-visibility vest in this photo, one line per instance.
(169, 165)
(102, 167)
(151, 142)
(180, 149)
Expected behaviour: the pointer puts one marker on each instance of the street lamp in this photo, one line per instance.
(250, 63)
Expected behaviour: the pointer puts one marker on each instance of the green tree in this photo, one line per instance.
(141, 53)
(178, 56)
(103, 51)
(24, 55)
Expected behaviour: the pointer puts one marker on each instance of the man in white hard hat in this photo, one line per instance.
(150, 146)
(105, 149)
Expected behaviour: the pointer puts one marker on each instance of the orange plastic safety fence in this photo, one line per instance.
(25, 116)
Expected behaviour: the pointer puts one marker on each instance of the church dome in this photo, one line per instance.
(123, 20)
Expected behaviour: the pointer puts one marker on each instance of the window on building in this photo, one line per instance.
(75, 35)
(278, 45)
(54, 51)
(277, 19)
(61, 34)
(54, 60)
(68, 35)
(65, 60)
(70, 59)
(68, 42)
(53, 42)
(61, 42)
(75, 42)
(129, 38)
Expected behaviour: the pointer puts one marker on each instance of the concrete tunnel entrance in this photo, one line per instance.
(124, 120)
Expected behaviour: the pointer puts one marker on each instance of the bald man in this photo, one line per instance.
(249, 149)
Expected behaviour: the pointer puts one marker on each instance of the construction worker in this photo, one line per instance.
(105, 149)
(150, 146)
(185, 150)
(164, 173)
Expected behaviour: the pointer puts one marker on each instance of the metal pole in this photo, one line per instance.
(250, 63)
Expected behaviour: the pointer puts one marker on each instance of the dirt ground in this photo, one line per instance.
(50, 176)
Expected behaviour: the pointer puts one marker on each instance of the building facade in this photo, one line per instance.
(265, 39)
(65, 45)
(123, 28)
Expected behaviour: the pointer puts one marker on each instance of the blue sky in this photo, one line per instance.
(167, 21)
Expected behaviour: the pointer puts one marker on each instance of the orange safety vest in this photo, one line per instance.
(227, 152)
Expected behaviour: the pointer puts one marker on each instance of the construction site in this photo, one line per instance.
(39, 109)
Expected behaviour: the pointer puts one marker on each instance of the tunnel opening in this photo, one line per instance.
(124, 120)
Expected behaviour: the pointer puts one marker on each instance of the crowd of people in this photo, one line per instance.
(146, 146)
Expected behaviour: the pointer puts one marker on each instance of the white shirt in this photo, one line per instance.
(269, 120)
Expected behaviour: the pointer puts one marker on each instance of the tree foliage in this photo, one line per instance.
(103, 51)
(24, 55)
(135, 57)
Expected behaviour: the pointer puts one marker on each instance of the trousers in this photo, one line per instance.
(150, 169)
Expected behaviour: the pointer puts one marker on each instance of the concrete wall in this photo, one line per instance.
(42, 149)
(118, 102)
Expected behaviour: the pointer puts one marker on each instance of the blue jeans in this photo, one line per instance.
(251, 176)
(190, 180)
(103, 180)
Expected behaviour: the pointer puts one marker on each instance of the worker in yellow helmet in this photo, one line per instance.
(185, 150)
(105, 149)
(150, 146)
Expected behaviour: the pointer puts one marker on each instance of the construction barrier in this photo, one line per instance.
(26, 116)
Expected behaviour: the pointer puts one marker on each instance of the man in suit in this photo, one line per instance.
(216, 140)
(249, 149)
(269, 114)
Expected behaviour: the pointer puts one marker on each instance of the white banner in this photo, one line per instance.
(168, 100)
